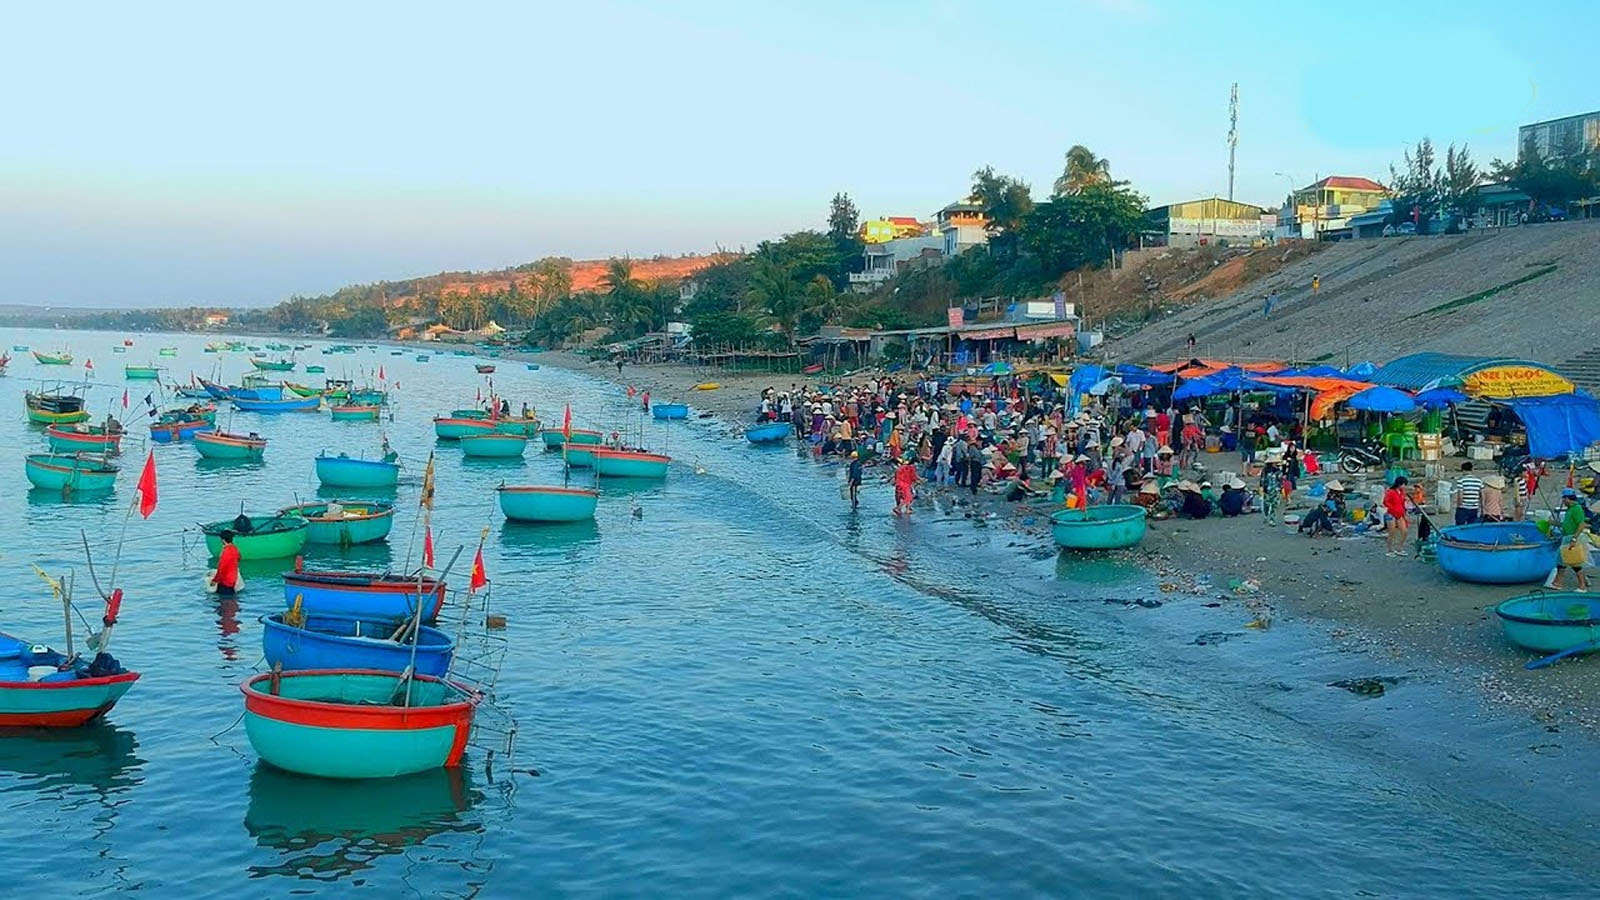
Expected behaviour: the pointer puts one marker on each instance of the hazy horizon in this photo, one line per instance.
(187, 154)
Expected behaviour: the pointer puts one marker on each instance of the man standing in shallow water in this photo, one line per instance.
(853, 477)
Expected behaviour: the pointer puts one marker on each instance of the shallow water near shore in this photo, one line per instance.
(731, 685)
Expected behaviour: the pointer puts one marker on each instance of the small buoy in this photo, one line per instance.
(494, 620)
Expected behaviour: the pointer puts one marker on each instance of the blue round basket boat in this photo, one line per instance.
(1497, 552)
(1109, 527)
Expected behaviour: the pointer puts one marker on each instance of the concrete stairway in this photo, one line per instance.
(1584, 370)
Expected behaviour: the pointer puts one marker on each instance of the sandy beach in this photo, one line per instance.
(1406, 613)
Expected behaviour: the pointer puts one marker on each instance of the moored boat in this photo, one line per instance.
(345, 522)
(553, 437)
(52, 359)
(454, 427)
(41, 688)
(527, 426)
(364, 594)
(315, 369)
(84, 438)
(54, 409)
(1108, 527)
(579, 456)
(268, 537)
(344, 471)
(296, 404)
(176, 429)
(547, 503)
(141, 373)
(1497, 552)
(1552, 621)
(165, 351)
(666, 411)
(338, 723)
(768, 432)
(353, 413)
(493, 445)
(71, 473)
(273, 365)
(615, 463)
(352, 642)
(485, 368)
(223, 445)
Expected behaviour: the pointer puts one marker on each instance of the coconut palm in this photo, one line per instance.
(1083, 169)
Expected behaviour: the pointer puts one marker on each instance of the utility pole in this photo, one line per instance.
(1233, 133)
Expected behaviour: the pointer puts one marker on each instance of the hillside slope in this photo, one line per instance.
(1532, 292)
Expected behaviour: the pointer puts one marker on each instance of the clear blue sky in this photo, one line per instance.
(174, 153)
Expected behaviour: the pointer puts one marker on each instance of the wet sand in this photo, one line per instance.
(1403, 609)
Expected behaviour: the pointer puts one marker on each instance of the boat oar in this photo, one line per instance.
(1557, 657)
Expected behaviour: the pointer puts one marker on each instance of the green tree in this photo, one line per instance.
(774, 290)
(1458, 186)
(844, 220)
(1415, 186)
(724, 329)
(1083, 228)
(1006, 201)
(1083, 169)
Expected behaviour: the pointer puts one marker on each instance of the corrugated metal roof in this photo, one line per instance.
(1414, 371)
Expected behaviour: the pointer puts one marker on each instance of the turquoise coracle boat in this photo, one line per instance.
(1552, 621)
(345, 522)
(630, 463)
(347, 472)
(77, 473)
(527, 427)
(579, 457)
(1109, 527)
(541, 503)
(352, 723)
(269, 537)
(455, 427)
(222, 445)
(553, 438)
(497, 446)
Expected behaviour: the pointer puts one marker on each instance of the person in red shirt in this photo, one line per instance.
(904, 478)
(1396, 526)
(227, 574)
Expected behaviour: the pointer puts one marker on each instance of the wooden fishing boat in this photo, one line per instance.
(119, 349)
(1497, 552)
(216, 346)
(53, 359)
(553, 438)
(345, 522)
(768, 432)
(813, 369)
(54, 409)
(462, 352)
(348, 723)
(542, 503)
(368, 397)
(579, 456)
(527, 426)
(355, 413)
(485, 368)
(127, 342)
(315, 370)
(352, 642)
(84, 438)
(223, 445)
(19, 348)
(305, 390)
(141, 373)
(269, 537)
(1552, 621)
(41, 688)
(630, 463)
(454, 428)
(397, 352)
(1109, 527)
(470, 414)
(345, 471)
(178, 429)
(191, 392)
(277, 347)
(273, 365)
(493, 445)
(422, 357)
(297, 404)
(364, 594)
(214, 390)
(669, 411)
(166, 351)
(533, 367)
(72, 473)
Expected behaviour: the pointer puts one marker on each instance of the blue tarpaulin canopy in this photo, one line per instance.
(1383, 399)
(1362, 370)
(1225, 382)
(1559, 425)
(1083, 378)
(1439, 398)
(1139, 375)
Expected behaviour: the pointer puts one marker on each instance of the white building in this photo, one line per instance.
(882, 262)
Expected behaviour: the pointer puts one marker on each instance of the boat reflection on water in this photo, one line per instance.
(520, 540)
(47, 497)
(101, 757)
(1098, 569)
(327, 829)
(378, 556)
(213, 468)
(325, 492)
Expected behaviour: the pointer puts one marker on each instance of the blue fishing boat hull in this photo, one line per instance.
(351, 642)
(1497, 553)
(347, 472)
(664, 411)
(1110, 527)
(362, 595)
(298, 404)
(768, 433)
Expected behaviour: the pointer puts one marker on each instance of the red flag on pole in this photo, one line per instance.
(427, 549)
(124, 398)
(147, 486)
(566, 423)
(479, 576)
(380, 374)
(89, 364)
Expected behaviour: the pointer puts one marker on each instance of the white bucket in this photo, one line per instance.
(1447, 496)
(38, 673)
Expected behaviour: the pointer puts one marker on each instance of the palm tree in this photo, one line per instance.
(1083, 169)
(619, 277)
(773, 288)
(823, 300)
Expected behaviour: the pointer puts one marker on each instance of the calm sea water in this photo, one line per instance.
(731, 686)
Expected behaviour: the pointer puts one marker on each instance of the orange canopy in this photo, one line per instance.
(1210, 366)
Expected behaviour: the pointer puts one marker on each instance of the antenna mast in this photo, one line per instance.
(1233, 133)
